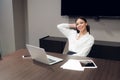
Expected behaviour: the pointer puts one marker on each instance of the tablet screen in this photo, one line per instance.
(88, 64)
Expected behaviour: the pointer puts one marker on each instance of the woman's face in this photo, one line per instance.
(81, 25)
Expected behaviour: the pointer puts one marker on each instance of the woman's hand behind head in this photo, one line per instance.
(72, 25)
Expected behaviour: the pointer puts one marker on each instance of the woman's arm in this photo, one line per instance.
(66, 28)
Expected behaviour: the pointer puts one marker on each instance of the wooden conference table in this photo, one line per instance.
(14, 67)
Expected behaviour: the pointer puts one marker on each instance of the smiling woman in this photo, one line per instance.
(82, 23)
(78, 35)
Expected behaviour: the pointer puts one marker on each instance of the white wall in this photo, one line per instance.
(6, 27)
(104, 29)
(44, 15)
(12, 26)
(19, 23)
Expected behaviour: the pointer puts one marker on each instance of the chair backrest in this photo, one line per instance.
(65, 48)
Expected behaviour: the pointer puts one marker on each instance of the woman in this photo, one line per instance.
(79, 38)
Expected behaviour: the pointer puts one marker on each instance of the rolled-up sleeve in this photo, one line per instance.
(64, 28)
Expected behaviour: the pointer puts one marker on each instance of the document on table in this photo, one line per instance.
(72, 64)
(78, 65)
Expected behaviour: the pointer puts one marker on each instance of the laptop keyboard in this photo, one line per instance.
(51, 60)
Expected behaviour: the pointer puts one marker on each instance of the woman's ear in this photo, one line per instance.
(86, 24)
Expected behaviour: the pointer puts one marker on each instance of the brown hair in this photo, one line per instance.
(87, 27)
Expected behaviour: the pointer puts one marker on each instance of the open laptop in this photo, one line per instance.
(40, 55)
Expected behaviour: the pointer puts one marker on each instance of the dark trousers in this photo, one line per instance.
(71, 52)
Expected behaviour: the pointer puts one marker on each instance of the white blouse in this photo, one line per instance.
(81, 46)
